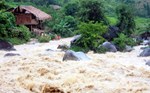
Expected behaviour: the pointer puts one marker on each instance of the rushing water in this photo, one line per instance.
(40, 71)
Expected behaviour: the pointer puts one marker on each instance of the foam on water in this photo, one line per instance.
(37, 71)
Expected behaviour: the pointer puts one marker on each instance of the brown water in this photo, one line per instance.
(40, 71)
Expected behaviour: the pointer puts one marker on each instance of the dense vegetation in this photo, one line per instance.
(90, 18)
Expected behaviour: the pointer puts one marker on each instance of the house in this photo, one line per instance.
(32, 17)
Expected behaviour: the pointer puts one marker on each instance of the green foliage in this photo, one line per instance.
(2, 4)
(126, 20)
(141, 25)
(71, 9)
(9, 31)
(7, 22)
(122, 41)
(21, 32)
(91, 36)
(92, 10)
(45, 38)
(65, 27)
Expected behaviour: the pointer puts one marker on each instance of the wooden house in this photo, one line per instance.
(32, 17)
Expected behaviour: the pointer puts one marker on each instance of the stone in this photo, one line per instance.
(109, 46)
(147, 63)
(145, 53)
(76, 56)
(6, 46)
(63, 47)
(11, 54)
(75, 38)
(112, 33)
(128, 49)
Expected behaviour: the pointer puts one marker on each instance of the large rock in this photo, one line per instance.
(109, 46)
(63, 47)
(75, 38)
(6, 46)
(128, 48)
(112, 33)
(148, 63)
(77, 56)
(11, 54)
(145, 35)
(145, 53)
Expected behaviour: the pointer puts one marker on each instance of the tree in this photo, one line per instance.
(92, 10)
(71, 9)
(91, 36)
(2, 4)
(126, 22)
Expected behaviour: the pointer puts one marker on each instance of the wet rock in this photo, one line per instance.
(6, 46)
(112, 33)
(145, 35)
(75, 38)
(77, 56)
(63, 47)
(11, 54)
(145, 53)
(148, 63)
(128, 48)
(50, 50)
(109, 46)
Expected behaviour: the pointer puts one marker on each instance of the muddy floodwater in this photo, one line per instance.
(39, 71)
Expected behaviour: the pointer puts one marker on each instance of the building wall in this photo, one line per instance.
(25, 19)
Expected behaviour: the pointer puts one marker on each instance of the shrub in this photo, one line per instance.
(126, 20)
(10, 32)
(91, 36)
(122, 41)
(71, 9)
(65, 27)
(92, 10)
(44, 38)
(15, 41)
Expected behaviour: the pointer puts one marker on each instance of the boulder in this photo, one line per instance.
(148, 63)
(146, 42)
(128, 49)
(6, 46)
(63, 47)
(11, 54)
(145, 35)
(109, 46)
(75, 38)
(76, 56)
(145, 53)
(112, 33)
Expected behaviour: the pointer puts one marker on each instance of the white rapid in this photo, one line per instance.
(41, 71)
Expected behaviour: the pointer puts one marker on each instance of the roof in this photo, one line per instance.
(38, 13)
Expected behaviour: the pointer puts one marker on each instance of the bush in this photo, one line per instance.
(10, 32)
(65, 27)
(91, 36)
(71, 9)
(44, 38)
(126, 20)
(15, 41)
(122, 41)
(92, 10)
